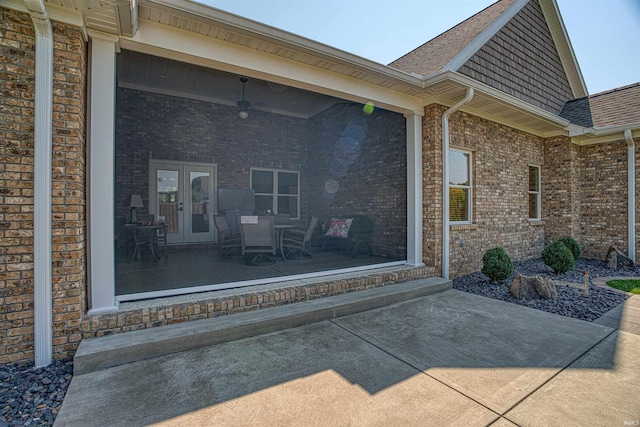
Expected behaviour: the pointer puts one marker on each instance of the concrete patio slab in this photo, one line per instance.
(625, 317)
(494, 352)
(590, 391)
(443, 359)
(315, 375)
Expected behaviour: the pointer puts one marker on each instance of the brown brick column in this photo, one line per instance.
(17, 82)
(561, 207)
(432, 185)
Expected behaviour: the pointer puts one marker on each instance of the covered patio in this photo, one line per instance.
(194, 142)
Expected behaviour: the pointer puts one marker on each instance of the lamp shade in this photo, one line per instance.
(136, 201)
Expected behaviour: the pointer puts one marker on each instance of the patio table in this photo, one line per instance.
(138, 241)
(280, 228)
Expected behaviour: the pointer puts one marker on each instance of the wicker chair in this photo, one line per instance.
(229, 242)
(295, 241)
(258, 240)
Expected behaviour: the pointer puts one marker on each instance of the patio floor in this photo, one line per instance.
(199, 267)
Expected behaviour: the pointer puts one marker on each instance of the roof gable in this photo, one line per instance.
(434, 55)
(536, 62)
(521, 59)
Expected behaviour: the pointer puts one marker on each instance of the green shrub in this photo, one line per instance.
(496, 264)
(572, 245)
(558, 257)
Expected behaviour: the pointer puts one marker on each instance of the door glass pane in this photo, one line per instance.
(263, 204)
(287, 183)
(168, 199)
(262, 181)
(288, 205)
(200, 199)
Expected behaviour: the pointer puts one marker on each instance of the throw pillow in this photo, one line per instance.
(339, 227)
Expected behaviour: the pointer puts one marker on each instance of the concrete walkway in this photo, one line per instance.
(450, 358)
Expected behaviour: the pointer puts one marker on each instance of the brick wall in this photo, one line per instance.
(561, 185)
(150, 125)
(371, 177)
(604, 198)
(500, 160)
(131, 318)
(358, 166)
(17, 80)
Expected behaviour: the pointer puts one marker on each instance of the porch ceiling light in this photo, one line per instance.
(243, 104)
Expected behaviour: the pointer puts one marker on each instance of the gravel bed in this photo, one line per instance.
(571, 301)
(32, 397)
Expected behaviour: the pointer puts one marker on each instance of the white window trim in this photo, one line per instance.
(538, 193)
(469, 187)
(275, 193)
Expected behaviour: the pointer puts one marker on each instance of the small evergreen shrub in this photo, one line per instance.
(572, 245)
(496, 264)
(558, 257)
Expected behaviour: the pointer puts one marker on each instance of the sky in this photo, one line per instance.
(605, 34)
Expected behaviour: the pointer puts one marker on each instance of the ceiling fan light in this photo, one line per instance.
(243, 114)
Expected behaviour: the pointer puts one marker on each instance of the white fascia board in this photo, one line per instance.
(603, 135)
(55, 13)
(499, 95)
(161, 40)
(565, 49)
(217, 17)
(481, 39)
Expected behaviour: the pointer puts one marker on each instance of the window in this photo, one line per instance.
(460, 194)
(277, 191)
(534, 193)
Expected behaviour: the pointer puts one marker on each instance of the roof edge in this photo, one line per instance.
(483, 38)
(497, 94)
(564, 47)
(242, 24)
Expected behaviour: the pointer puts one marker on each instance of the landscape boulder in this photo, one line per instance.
(615, 259)
(533, 287)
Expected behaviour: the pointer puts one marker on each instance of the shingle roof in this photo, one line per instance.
(614, 107)
(436, 53)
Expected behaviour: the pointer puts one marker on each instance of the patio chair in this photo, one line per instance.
(258, 240)
(229, 242)
(296, 241)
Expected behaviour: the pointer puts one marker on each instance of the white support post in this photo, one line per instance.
(102, 87)
(414, 188)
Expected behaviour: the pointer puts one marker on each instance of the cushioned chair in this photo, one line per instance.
(258, 240)
(229, 242)
(295, 242)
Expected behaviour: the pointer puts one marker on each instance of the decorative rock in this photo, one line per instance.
(616, 259)
(533, 287)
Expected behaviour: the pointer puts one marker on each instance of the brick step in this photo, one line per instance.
(114, 350)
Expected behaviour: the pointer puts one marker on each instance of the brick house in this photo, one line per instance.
(483, 136)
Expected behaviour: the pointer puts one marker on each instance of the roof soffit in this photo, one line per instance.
(209, 22)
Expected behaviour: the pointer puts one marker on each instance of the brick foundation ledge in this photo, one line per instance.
(166, 311)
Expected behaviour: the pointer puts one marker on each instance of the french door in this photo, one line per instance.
(183, 194)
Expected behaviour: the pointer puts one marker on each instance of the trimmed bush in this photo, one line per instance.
(558, 257)
(496, 264)
(572, 245)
